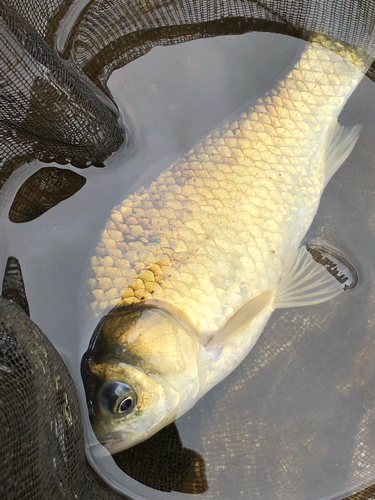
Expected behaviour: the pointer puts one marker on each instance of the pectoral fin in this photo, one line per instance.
(243, 317)
(305, 282)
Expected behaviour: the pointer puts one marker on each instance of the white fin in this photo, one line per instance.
(305, 282)
(340, 143)
(243, 317)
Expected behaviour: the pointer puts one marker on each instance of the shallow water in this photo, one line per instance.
(286, 424)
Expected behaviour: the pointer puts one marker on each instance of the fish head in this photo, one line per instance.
(140, 372)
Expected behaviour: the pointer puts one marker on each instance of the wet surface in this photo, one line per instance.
(292, 413)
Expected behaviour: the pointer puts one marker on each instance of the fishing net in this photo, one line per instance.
(47, 112)
(56, 58)
(42, 451)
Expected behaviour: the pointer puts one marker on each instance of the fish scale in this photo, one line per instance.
(214, 230)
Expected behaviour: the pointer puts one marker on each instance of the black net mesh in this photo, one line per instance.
(108, 35)
(42, 450)
(47, 112)
(52, 110)
(43, 190)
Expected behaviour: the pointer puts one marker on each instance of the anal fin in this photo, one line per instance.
(306, 280)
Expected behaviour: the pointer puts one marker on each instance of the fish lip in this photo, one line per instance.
(111, 439)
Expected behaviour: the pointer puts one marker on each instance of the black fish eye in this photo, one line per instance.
(125, 405)
(118, 397)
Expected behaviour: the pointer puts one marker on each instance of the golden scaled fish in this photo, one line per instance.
(194, 264)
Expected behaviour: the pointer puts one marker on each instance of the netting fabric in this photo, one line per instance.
(42, 451)
(47, 112)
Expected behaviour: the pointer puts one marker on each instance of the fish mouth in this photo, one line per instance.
(113, 441)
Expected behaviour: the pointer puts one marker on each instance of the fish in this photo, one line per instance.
(188, 270)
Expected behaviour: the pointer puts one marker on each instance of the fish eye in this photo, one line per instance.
(118, 398)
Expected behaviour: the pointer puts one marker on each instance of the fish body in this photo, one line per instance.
(195, 264)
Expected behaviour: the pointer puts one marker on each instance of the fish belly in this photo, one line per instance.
(214, 230)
